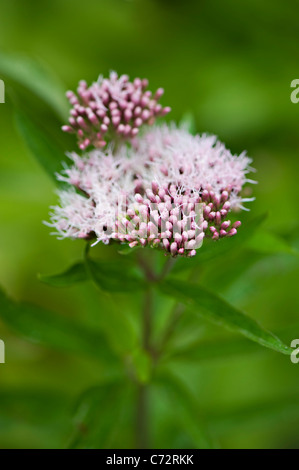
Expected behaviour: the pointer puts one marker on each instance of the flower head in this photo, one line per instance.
(170, 191)
(112, 105)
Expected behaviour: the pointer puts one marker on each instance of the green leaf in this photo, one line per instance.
(114, 277)
(212, 350)
(49, 329)
(257, 415)
(222, 348)
(142, 363)
(270, 243)
(37, 78)
(125, 250)
(33, 418)
(98, 415)
(38, 406)
(179, 398)
(115, 323)
(245, 232)
(215, 309)
(42, 147)
(224, 273)
(74, 274)
(212, 249)
(188, 122)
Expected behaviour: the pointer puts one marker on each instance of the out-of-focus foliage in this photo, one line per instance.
(62, 384)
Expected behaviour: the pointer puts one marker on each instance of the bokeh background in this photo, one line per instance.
(230, 65)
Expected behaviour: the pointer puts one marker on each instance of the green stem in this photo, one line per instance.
(176, 314)
(142, 418)
(142, 437)
(167, 267)
(147, 320)
(146, 267)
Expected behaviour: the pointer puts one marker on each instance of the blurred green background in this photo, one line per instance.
(230, 65)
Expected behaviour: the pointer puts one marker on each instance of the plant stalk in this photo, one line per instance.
(142, 434)
(142, 437)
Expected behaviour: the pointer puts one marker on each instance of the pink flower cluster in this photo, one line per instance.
(175, 221)
(112, 107)
(170, 191)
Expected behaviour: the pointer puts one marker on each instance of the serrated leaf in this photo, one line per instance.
(42, 147)
(215, 309)
(49, 329)
(74, 274)
(37, 78)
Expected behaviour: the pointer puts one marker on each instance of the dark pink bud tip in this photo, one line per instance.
(67, 129)
(232, 232)
(237, 224)
(165, 111)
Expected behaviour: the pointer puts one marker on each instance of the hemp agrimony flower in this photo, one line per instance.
(112, 107)
(169, 190)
